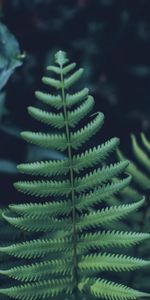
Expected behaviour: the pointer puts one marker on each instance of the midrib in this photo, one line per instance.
(74, 232)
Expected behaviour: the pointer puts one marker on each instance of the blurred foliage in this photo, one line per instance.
(10, 57)
(139, 168)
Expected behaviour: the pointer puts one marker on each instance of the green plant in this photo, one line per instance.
(68, 250)
(139, 168)
(8, 235)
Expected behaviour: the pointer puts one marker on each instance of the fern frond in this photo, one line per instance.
(52, 100)
(56, 101)
(55, 120)
(65, 70)
(79, 113)
(106, 191)
(83, 135)
(114, 291)
(64, 207)
(43, 188)
(61, 58)
(99, 176)
(37, 271)
(68, 68)
(37, 224)
(102, 217)
(45, 168)
(54, 69)
(59, 247)
(107, 239)
(138, 176)
(110, 262)
(37, 248)
(94, 156)
(44, 289)
(54, 141)
(54, 208)
(140, 154)
(52, 82)
(139, 168)
(73, 78)
(73, 99)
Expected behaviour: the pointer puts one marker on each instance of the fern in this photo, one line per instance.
(139, 168)
(69, 247)
(8, 235)
(142, 161)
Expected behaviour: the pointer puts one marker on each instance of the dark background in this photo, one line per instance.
(109, 38)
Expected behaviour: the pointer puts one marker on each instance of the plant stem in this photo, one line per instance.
(74, 234)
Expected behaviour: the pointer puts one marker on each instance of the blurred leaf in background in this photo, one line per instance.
(10, 56)
(3, 109)
(10, 59)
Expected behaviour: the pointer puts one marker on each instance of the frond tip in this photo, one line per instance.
(61, 58)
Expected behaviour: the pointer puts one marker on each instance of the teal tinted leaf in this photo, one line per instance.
(7, 166)
(10, 57)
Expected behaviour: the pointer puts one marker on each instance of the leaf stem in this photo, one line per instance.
(74, 234)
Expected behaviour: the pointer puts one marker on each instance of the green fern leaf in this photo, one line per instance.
(99, 176)
(44, 289)
(45, 209)
(138, 176)
(139, 168)
(45, 168)
(68, 68)
(110, 262)
(61, 58)
(95, 219)
(38, 248)
(83, 135)
(107, 239)
(113, 291)
(61, 248)
(45, 140)
(55, 120)
(43, 188)
(52, 100)
(98, 195)
(78, 114)
(93, 156)
(73, 99)
(65, 70)
(54, 69)
(140, 154)
(37, 271)
(37, 224)
(52, 82)
(73, 78)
